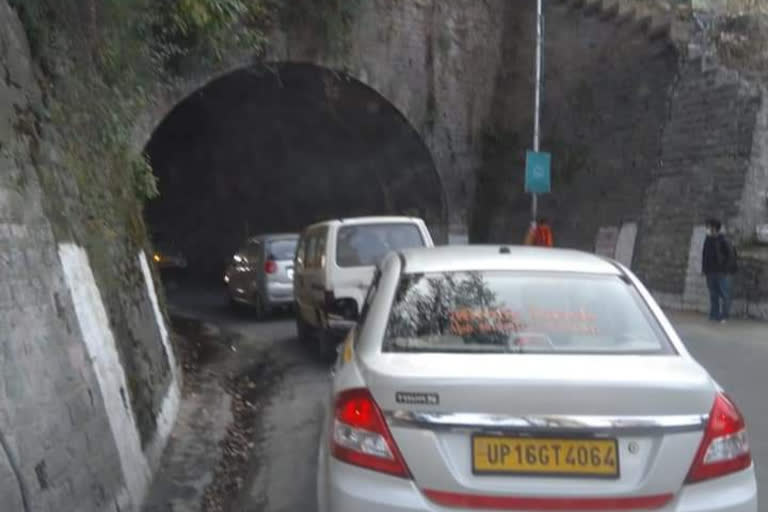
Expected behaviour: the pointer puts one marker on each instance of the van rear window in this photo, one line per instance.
(363, 245)
(282, 249)
(512, 312)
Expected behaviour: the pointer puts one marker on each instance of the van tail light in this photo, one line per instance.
(725, 448)
(270, 267)
(360, 435)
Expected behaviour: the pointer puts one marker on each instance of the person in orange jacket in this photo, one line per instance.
(540, 234)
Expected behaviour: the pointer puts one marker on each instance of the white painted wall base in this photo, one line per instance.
(625, 245)
(102, 350)
(137, 466)
(605, 243)
(695, 294)
(617, 243)
(170, 408)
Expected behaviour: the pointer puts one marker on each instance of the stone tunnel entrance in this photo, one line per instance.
(274, 148)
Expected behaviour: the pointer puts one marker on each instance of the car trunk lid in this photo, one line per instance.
(282, 271)
(473, 425)
(279, 264)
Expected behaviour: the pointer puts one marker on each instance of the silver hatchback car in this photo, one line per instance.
(261, 273)
(493, 378)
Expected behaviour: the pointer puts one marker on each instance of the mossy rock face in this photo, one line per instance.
(102, 67)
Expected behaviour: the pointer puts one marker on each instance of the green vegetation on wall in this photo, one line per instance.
(103, 65)
(209, 29)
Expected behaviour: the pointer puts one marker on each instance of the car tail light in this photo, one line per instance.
(361, 437)
(724, 448)
(270, 267)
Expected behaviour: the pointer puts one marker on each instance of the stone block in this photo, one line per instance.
(625, 244)
(605, 244)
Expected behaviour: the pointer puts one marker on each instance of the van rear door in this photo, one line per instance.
(309, 274)
(361, 246)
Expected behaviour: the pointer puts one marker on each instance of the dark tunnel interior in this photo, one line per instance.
(275, 148)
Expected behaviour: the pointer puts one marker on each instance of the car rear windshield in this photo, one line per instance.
(521, 313)
(282, 250)
(366, 244)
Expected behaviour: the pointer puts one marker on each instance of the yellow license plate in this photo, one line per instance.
(545, 456)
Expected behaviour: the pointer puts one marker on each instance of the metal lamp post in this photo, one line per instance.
(537, 107)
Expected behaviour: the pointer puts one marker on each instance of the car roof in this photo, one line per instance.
(383, 219)
(455, 258)
(273, 236)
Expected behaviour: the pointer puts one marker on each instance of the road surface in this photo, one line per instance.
(282, 477)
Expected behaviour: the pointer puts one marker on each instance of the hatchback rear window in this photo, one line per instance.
(521, 313)
(366, 244)
(282, 250)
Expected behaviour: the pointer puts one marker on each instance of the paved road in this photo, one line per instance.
(736, 354)
(282, 476)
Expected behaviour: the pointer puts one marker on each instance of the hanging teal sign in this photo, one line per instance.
(538, 172)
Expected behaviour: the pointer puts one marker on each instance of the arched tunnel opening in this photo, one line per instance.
(275, 148)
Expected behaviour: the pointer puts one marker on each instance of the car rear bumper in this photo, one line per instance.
(733, 493)
(279, 294)
(350, 489)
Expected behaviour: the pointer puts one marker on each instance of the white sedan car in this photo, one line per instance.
(494, 378)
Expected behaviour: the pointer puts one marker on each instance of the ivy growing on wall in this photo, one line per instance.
(208, 28)
(103, 64)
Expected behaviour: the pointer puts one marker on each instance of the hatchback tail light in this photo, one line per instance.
(724, 449)
(361, 437)
(270, 267)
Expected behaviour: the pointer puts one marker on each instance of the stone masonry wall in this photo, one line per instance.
(55, 432)
(436, 61)
(461, 73)
(707, 148)
(752, 286)
(605, 91)
(71, 435)
(753, 210)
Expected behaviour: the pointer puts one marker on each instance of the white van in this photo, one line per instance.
(334, 265)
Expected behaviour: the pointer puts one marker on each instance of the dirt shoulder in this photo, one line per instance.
(226, 382)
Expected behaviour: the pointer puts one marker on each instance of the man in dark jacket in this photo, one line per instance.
(716, 266)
